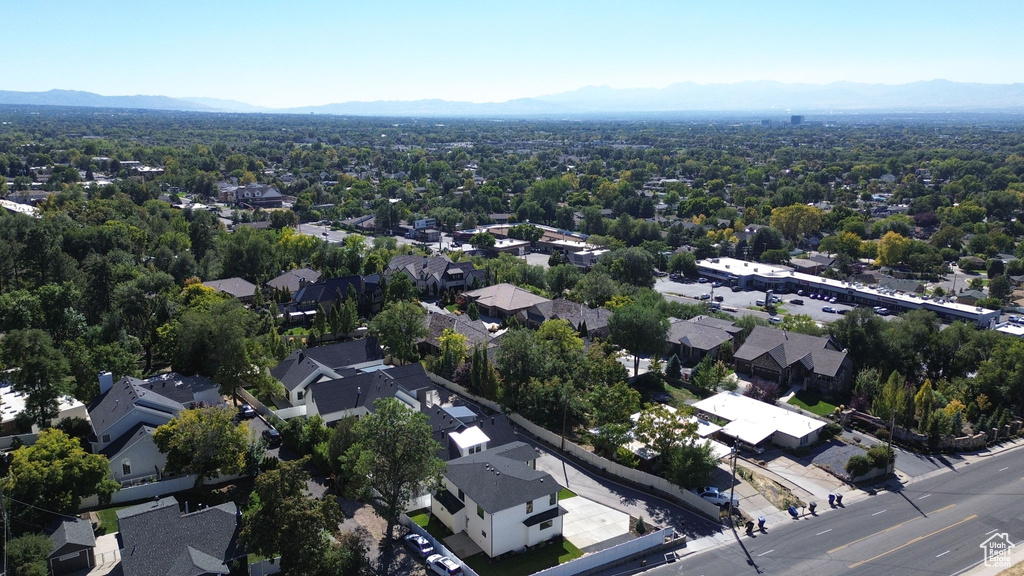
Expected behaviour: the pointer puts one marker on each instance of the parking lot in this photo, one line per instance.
(744, 302)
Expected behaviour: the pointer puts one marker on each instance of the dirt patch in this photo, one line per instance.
(779, 496)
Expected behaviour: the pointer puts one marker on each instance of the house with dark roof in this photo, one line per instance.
(158, 540)
(303, 368)
(125, 414)
(475, 331)
(970, 297)
(499, 499)
(435, 274)
(73, 546)
(502, 300)
(239, 288)
(905, 285)
(253, 195)
(590, 322)
(691, 340)
(326, 293)
(293, 280)
(817, 363)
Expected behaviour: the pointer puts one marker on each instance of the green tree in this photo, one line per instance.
(399, 289)
(204, 442)
(302, 526)
(639, 329)
(453, 353)
(40, 372)
(797, 220)
(55, 474)
(472, 311)
(396, 454)
(596, 288)
(518, 359)
(483, 240)
(28, 555)
(398, 327)
(562, 278)
(924, 402)
(892, 249)
(895, 397)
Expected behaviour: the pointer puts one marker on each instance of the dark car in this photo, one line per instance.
(702, 280)
(273, 437)
(420, 545)
(719, 298)
(736, 288)
(246, 412)
(797, 301)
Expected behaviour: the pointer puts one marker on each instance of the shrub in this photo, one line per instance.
(673, 369)
(858, 465)
(831, 430)
(880, 455)
(763, 390)
(641, 528)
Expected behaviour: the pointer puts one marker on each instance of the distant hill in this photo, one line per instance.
(762, 96)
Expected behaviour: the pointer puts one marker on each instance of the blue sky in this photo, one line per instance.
(306, 52)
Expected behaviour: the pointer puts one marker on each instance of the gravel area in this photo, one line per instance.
(833, 458)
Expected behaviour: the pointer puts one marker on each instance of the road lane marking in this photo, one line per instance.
(923, 497)
(991, 531)
(877, 513)
(768, 552)
(1005, 468)
(886, 530)
(943, 554)
(823, 532)
(913, 541)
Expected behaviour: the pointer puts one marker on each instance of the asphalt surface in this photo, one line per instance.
(935, 525)
(745, 301)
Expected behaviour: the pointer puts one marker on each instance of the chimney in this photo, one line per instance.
(424, 261)
(106, 379)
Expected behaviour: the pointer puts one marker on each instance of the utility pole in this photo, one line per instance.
(892, 430)
(732, 487)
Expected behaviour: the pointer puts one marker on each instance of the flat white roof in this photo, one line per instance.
(469, 437)
(13, 403)
(705, 428)
(754, 418)
(768, 271)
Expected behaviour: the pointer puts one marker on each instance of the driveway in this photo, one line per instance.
(592, 526)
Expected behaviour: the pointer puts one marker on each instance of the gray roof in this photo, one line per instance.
(816, 353)
(168, 393)
(71, 534)
(576, 314)
(346, 354)
(237, 287)
(500, 478)
(293, 280)
(505, 297)
(727, 325)
(158, 539)
(474, 330)
(138, 432)
(423, 267)
(697, 336)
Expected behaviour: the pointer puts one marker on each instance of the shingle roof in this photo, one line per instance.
(500, 478)
(237, 287)
(71, 534)
(167, 393)
(136, 433)
(158, 540)
(293, 280)
(474, 330)
(345, 354)
(787, 348)
(505, 297)
(328, 290)
(575, 313)
(697, 336)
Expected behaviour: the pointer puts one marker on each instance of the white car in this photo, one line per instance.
(716, 496)
(443, 566)
(420, 545)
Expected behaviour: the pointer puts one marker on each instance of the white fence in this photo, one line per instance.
(610, 556)
(439, 548)
(143, 491)
(26, 440)
(265, 567)
(613, 469)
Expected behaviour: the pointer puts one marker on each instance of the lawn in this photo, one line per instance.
(565, 493)
(108, 520)
(526, 563)
(427, 520)
(812, 403)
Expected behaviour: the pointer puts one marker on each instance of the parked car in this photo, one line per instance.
(443, 565)
(719, 298)
(832, 300)
(716, 305)
(246, 412)
(705, 296)
(273, 437)
(716, 496)
(716, 284)
(842, 310)
(420, 545)
(702, 280)
(674, 276)
(799, 292)
(759, 302)
(828, 309)
(775, 320)
(736, 288)
(797, 301)
(660, 274)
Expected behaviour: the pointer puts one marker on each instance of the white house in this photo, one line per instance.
(500, 499)
(303, 368)
(754, 422)
(125, 414)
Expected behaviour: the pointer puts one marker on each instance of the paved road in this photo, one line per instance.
(690, 291)
(933, 526)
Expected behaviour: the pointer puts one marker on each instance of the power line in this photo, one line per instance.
(42, 509)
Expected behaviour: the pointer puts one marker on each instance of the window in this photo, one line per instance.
(552, 499)
(529, 507)
(483, 533)
(106, 438)
(479, 510)
(546, 524)
(462, 495)
(301, 394)
(126, 467)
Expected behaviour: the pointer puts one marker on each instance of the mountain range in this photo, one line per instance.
(760, 96)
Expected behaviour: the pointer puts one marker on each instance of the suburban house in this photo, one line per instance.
(326, 293)
(73, 546)
(125, 414)
(239, 288)
(815, 362)
(706, 431)
(970, 297)
(753, 423)
(500, 499)
(158, 540)
(591, 322)
(293, 280)
(502, 300)
(585, 259)
(691, 340)
(475, 331)
(435, 274)
(253, 195)
(303, 368)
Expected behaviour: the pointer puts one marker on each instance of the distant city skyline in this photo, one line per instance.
(307, 53)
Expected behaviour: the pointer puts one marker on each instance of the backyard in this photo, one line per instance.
(526, 563)
(812, 403)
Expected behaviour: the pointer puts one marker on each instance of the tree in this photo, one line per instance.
(562, 278)
(674, 368)
(345, 316)
(204, 442)
(596, 288)
(797, 220)
(472, 311)
(453, 352)
(632, 266)
(518, 359)
(282, 519)
(639, 329)
(397, 455)
(857, 465)
(41, 372)
(398, 327)
(283, 219)
(55, 474)
(1000, 287)
(27, 555)
(764, 390)
(923, 403)
(892, 249)
(399, 289)
(483, 240)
